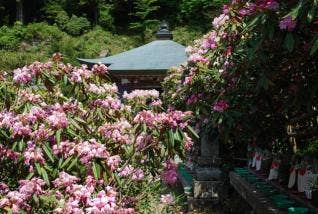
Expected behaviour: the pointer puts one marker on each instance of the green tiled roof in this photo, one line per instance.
(159, 55)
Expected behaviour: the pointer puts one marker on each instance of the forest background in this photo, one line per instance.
(34, 30)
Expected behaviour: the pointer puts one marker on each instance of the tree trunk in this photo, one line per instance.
(20, 15)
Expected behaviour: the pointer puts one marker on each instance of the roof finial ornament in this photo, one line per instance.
(163, 33)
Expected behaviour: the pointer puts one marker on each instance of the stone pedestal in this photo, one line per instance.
(206, 182)
(207, 174)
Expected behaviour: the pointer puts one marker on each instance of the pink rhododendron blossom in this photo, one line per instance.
(220, 21)
(118, 132)
(147, 117)
(7, 119)
(90, 149)
(287, 23)
(33, 154)
(37, 112)
(28, 96)
(80, 193)
(65, 148)
(78, 74)
(8, 153)
(156, 103)
(57, 120)
(167, 199)
(143, 140)
(100, 69)
(220, 106)
(194, 98)
(126, 171)
(196, 57)
(41, 134)
(141, 94)
(102, 204)
(226, 9)
(15, 200)
(30, 187)
(188, 80)
(21, 130)
(22, 75)
(169, 174)
(65, 180)
(105, 88)
(69, 207)
(188, 143)
(3, 188)
(108, 103)
(138, 175)
(268, 4)
(113, 162)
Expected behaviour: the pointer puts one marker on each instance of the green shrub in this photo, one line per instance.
(77, 25)
(106, 20)
(186, 35)
(42, 32)
(13, 59)
(10, 38)
(62, 19)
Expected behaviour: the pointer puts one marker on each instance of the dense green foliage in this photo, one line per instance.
(254, 77)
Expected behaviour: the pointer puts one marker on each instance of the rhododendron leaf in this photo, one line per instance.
(289, 42)
(72, 164)
(312, 12)
(60, 163)
(296, 11)
(14, 145)
(66, 162)
(193, 132)
(96, 170)
(252, 23)
(38, 168)
(45, 176)
(144, 127)
(30, 175)
(36, 200)
(48, 152)
(65, 79)
(58, 136)
(314, 47)
(177, 135)
(80, 120)
(21, 145)
(72, 133)
(74, 123)
(118, 180)
(171, 138)
(5, 134)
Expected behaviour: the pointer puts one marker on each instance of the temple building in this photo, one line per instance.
(146, 66)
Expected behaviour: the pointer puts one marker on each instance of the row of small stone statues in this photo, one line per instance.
(303, 173)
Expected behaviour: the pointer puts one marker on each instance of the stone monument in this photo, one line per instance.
(206, 172)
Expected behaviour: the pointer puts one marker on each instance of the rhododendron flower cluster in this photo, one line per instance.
(17, 200)
(287, 23)
(141, 94)
(108, 103)
(33, 154)
(220, 21)
(103, 89)
(81, 152)
(118, 132)
(220, 106)
(169, 174)
(57, 120)
(167, 199)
